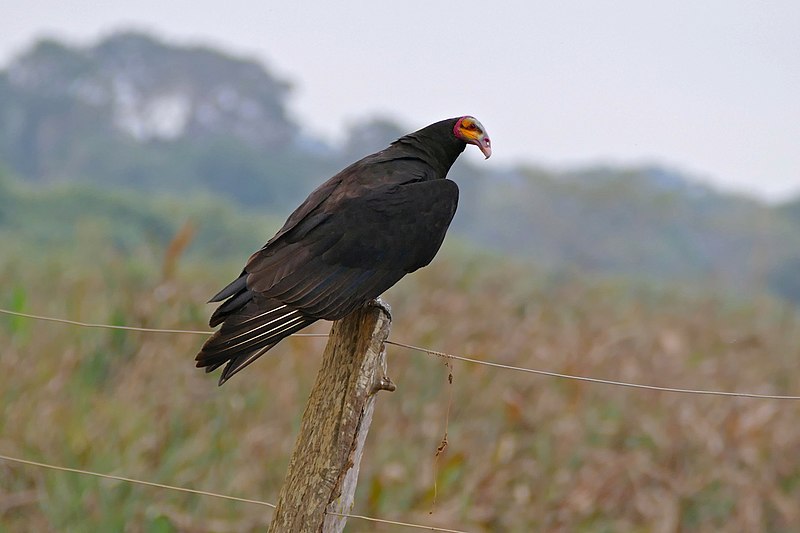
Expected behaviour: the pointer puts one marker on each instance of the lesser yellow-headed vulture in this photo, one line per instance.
(352, 238)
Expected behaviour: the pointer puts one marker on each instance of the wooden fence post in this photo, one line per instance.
(323, 470)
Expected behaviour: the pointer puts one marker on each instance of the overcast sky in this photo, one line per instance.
(712, 88)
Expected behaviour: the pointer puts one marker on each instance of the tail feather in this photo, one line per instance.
(224, 344)
(249, 329)
(239, 363)
(213, 367)
(235, 302)
(235, 286)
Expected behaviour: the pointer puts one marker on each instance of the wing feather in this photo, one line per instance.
(334, 254)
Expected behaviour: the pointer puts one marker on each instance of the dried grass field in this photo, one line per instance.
(525, 452)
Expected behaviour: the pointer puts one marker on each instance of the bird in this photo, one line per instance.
(355, 236)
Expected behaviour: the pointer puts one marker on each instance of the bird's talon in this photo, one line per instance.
(382, 304)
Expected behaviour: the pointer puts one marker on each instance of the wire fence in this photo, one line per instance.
(446, 355)
(211, 494)
(429, 351)
(130, 480)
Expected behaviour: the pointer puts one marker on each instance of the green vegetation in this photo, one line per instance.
(134, 114)
(525, 452)
(34, 220)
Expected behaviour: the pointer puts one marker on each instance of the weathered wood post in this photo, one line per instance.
(323, 470)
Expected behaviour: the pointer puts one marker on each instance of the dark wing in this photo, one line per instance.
(345, 250)
(359, 250)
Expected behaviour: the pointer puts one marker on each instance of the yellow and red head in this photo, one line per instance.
(469, 130)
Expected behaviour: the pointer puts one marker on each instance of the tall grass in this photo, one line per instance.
(525, 452)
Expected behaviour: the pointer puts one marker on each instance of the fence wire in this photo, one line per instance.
(438, 353)
(429, 351)
(211, 494)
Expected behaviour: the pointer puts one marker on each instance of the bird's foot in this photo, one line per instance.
(380, 303)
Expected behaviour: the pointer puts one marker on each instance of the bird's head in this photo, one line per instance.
(469, 130)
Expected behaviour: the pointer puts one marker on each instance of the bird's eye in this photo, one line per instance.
(471, 126)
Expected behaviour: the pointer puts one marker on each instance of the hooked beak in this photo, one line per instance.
(485, 145)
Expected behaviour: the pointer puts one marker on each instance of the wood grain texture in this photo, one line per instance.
(324, 466)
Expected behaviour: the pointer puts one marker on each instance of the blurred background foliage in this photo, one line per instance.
(144, 119)
(136, 178)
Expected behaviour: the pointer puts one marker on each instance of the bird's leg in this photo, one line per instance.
(380, 303)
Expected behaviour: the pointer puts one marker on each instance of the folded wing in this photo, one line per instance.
(341, 253)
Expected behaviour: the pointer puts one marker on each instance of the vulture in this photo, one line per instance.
(355, 236)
